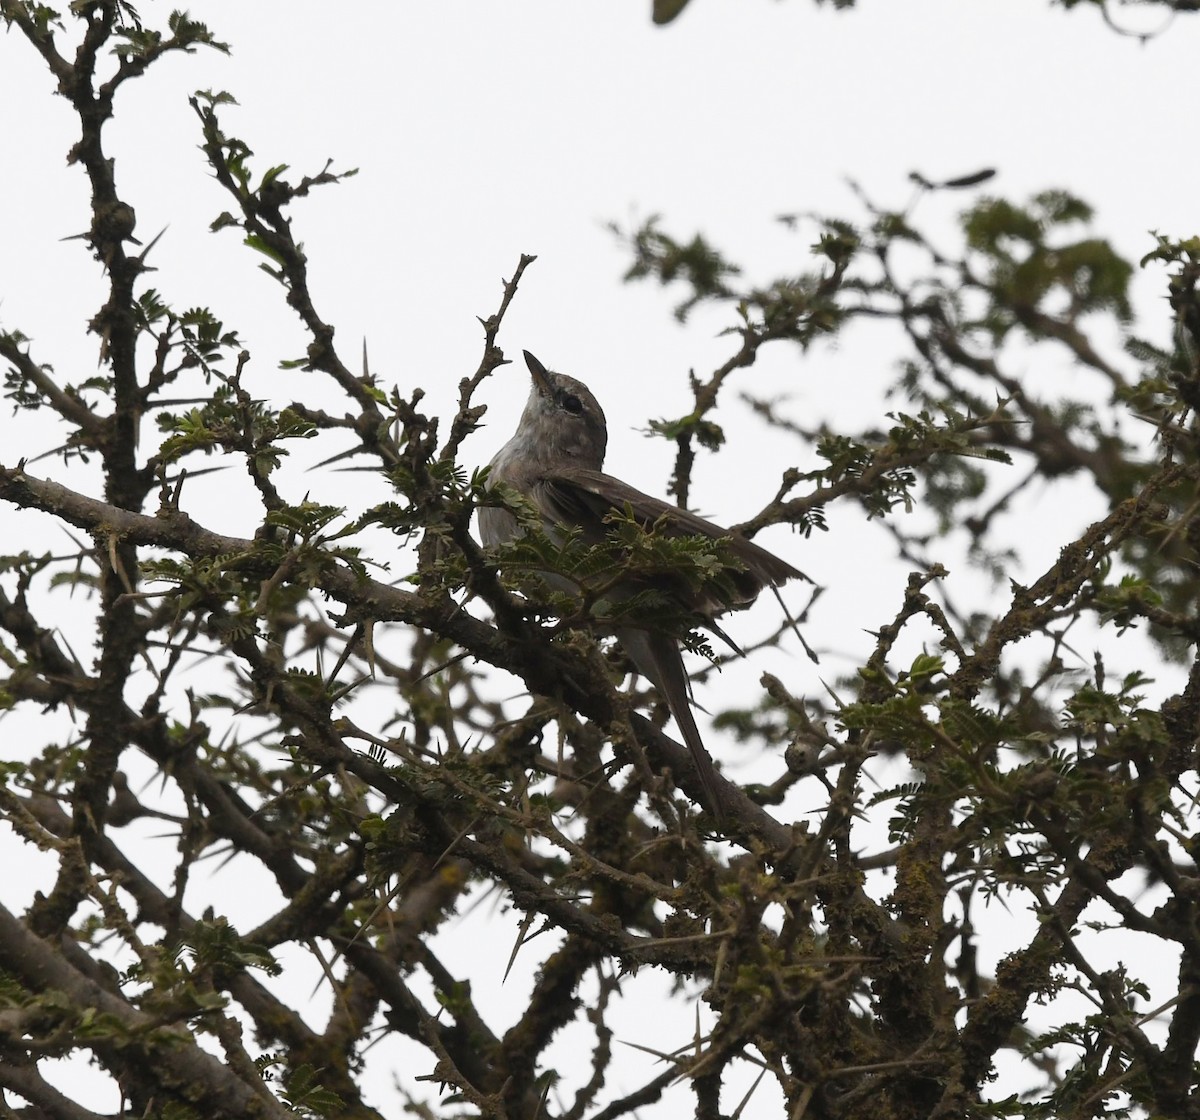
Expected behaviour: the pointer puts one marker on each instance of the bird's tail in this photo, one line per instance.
(657, 658)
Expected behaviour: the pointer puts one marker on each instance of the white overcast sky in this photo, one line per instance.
(483, 130)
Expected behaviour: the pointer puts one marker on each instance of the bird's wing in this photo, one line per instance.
(580, 496)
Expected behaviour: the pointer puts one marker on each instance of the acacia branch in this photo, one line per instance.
(183, 1069)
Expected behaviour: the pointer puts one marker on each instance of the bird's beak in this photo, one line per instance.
(541, 376)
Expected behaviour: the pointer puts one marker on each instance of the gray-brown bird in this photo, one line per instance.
(554, 459)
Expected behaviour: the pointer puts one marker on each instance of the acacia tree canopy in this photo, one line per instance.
(301, 711)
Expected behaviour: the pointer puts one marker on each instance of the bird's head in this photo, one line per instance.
(562, 421)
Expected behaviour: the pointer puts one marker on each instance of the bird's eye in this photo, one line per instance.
(572, 404)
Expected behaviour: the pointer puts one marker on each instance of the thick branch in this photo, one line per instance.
(181, 1067)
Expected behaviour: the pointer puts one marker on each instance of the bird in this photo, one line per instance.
(555, 460)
